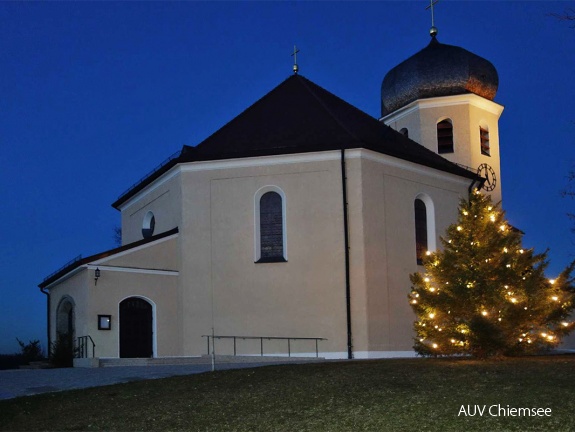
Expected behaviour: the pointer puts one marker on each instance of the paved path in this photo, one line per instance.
(26, 382)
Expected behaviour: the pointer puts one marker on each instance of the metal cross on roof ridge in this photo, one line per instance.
(433, 30)
(294, 55)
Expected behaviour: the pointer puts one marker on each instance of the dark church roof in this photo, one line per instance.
(299, 116)
(437, 70)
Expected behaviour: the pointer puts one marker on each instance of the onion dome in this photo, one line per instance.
(437, 70)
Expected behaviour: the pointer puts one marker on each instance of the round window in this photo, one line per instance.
(148, 225)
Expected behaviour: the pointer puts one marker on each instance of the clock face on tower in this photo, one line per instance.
(488, 174)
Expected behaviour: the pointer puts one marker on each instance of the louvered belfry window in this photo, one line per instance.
(271, 227)
(420, 230)
(484, 136)
(444, 137)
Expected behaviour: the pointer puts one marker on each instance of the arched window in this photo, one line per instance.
(445, 136)
(270, 227)
(65, 325)
(484, 138)
(148, 225)
(404, 132)
(425, 240)
(420, 230)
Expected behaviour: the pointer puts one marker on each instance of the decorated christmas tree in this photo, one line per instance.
(485, 295)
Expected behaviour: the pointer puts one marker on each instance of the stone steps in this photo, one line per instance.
(113, 362)
(43, 364)
(203, 360)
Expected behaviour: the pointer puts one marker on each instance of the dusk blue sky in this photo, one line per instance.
(94, 95)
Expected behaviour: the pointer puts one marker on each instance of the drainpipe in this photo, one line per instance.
(346, 242)
(47, 293)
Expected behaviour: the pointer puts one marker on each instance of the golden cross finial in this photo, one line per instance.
(433, 30)
(294, 55)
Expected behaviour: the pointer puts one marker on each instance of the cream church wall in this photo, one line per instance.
(376, 265)
(134, 274)
(194, 295)
(164, 256)
(216, 286)
(116, 283)
(159, 290)
(304, 297)
(74, 288)
(409, 120)
(221, 286)
(389, 192)
(162, 198)
(358, 287)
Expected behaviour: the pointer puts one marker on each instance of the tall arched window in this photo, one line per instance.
(420, 230)
(445, 136)
(424, 211)
(270, 228)
(65, 325)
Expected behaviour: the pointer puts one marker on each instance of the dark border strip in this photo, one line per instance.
(346, 242)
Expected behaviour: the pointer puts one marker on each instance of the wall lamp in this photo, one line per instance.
(96, 276)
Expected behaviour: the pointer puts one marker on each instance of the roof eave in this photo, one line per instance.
(80, 263)
(147, 180)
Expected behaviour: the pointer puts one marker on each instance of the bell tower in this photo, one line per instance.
(442, 98)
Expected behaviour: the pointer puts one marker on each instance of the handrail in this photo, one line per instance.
(82, 347)
(261, 338)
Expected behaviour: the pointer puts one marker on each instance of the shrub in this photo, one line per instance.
(32, 351)
(62, 351)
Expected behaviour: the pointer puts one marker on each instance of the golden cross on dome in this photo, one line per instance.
(433, 30)
(294, 55)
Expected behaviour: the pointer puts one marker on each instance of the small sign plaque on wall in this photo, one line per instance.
(104, 322)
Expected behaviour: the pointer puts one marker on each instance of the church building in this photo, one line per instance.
(293, 229)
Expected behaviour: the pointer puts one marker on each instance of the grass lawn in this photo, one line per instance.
(375, 395)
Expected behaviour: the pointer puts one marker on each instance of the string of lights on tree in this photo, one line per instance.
(484, 294)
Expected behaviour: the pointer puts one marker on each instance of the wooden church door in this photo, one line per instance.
(136, 328)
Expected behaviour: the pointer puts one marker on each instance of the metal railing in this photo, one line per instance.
(83, 347)
(72, 261)
(261, 339)
(155, 170)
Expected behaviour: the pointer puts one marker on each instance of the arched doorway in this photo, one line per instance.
(136, 333)
(65, 324)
